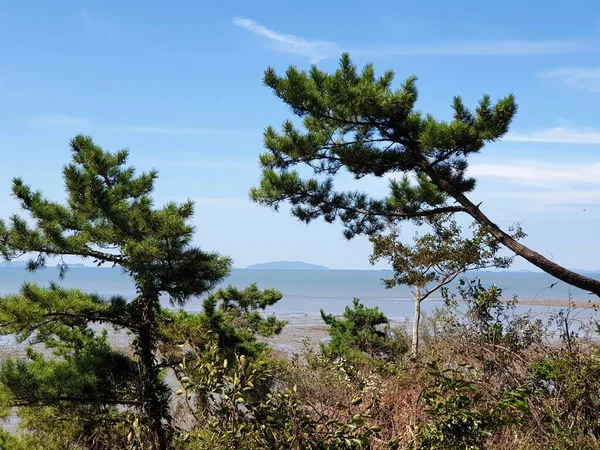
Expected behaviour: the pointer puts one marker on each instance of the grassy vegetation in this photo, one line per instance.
(486, 378)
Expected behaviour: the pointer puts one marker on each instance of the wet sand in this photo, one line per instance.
(592, 303)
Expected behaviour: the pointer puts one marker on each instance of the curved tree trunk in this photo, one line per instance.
(538, 260)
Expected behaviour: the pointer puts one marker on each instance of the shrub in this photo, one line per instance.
(242, 415)
(461, 417)
(364, 330)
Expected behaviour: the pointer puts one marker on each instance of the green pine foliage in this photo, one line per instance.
(112, 398)
(353, 121)
(231, 320)
(363, 330)
(41, 313)
(359, 122)
(234, 315)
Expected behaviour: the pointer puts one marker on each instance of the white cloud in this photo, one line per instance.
(557, 135)
(480, 48)
(559, 201)
(289, 43)
(174, 131)
(535, 173)
(559, 197)
(60, 121)
(586, 79)
(542, 187)
(317, 50)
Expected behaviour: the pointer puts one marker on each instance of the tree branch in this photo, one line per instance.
(53, 401)
(446, 280)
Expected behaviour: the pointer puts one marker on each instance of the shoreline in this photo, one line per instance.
(579, 304)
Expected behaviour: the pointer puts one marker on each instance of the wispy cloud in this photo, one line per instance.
(557, 135)
(317, 49)
(557, 188)
(59, 121)
(289, 43)
(481, 48)
(586, 79)
(540, 173)
(174, 131)
(560, 200)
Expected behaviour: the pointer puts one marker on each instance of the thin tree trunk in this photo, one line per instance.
(416, 321)
(154, 405)
(538, 260)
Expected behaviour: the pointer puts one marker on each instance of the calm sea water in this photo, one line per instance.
(306, 292)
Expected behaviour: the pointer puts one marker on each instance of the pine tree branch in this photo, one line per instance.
(55, 400)
(404, 215)
(98, 318)
(386, 214)
(86, 253)
(48, 318)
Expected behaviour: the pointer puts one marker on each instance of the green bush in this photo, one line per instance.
(242, 415)
(567, 399)
(461, 417)
(363, 330)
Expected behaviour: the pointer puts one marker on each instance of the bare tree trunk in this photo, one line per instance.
(416, 320)
(154, 405)
(538, 260)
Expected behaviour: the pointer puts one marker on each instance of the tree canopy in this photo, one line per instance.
(109, 216)
(355, 121)
(436, 258)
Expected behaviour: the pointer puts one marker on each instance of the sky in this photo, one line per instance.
(179, 84)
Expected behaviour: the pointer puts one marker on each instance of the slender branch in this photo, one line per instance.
(52, 401)
(398, 214)
(95, 318)
(87, 253)
(446, 280)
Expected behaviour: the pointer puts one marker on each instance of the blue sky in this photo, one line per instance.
(179, 84)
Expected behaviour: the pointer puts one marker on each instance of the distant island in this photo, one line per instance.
(287, 265)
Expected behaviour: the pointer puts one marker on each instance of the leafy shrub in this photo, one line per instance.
(242, 415)
(461, 417)
(567, 400)
(364, 330)
(491, 320)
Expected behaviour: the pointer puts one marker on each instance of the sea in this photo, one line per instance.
(306, 292)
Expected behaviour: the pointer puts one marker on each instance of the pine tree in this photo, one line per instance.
(109, 217)
(357, 122)
(436, 259)
(363, 330)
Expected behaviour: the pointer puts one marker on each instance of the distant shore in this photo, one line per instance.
(561, 303)
(297, 333)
